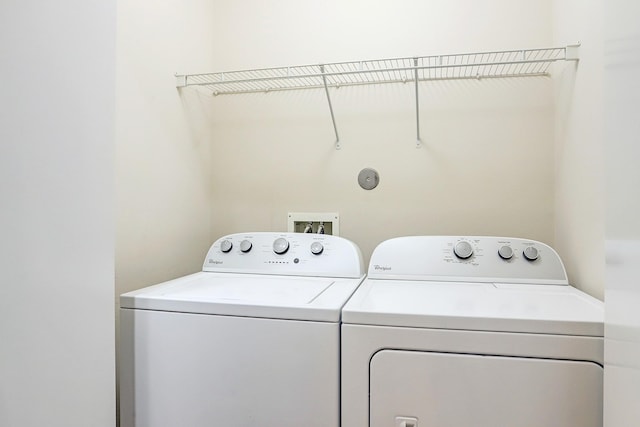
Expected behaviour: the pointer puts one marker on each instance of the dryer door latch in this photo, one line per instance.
(406, 422)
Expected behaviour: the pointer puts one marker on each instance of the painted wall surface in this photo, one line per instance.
(509, 157)
(56, 186)
(486, 166)
(162, 142)
(579, 170)
(622, 293)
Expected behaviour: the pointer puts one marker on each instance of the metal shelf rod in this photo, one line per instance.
(333, 118)
(366, 83)
(417, 80)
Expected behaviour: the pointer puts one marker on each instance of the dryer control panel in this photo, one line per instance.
(300, 254)
(467, 258)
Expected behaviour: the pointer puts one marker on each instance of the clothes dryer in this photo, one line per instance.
(252, 340)
(470, 331)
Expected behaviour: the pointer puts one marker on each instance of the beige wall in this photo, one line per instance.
(163, 143)
(486, 166)
(487, 162)
(510, 157)
(579, 173)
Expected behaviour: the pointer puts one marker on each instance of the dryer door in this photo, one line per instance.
(411, 388)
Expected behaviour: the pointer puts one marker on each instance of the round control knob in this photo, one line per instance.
(317, 248)
(505, 252)
(280, 246)
(225, 246)
(463, 250)
(245, 246)
(530, 253)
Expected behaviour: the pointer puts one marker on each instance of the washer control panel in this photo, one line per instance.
(467, 258)
(303, 254)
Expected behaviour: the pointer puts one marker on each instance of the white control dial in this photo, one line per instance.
(530, 253)
(226, 245)
(245, 246)
(280, 246)
(463, 250)
(505, 252)
(317, 248)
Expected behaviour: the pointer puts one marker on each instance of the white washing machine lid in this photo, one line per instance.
(520, 308)
(247, 295)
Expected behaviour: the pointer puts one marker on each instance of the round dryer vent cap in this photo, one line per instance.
(368, 178)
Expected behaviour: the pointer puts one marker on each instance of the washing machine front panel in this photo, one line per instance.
(457, 390)
(198, 370)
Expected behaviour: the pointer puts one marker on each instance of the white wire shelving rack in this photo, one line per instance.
(480, 65)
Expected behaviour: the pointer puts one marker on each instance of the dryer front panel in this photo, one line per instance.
(463, 390)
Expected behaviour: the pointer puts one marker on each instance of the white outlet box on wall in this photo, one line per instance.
(298, 222)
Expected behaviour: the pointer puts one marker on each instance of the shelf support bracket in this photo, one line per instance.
(415, 76)
(333, 118)
(572, 52)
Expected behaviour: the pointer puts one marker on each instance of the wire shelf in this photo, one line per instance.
(482, 65)
(499, 64)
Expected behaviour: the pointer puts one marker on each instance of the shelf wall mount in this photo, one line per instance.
(479, 65)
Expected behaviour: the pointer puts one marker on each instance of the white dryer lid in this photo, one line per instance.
(520, 308)
(247, 295)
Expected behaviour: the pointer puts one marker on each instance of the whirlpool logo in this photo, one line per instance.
(381, 267)
(215, 262)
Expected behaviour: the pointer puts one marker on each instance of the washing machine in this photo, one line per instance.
(251, 340)
(470, 331)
